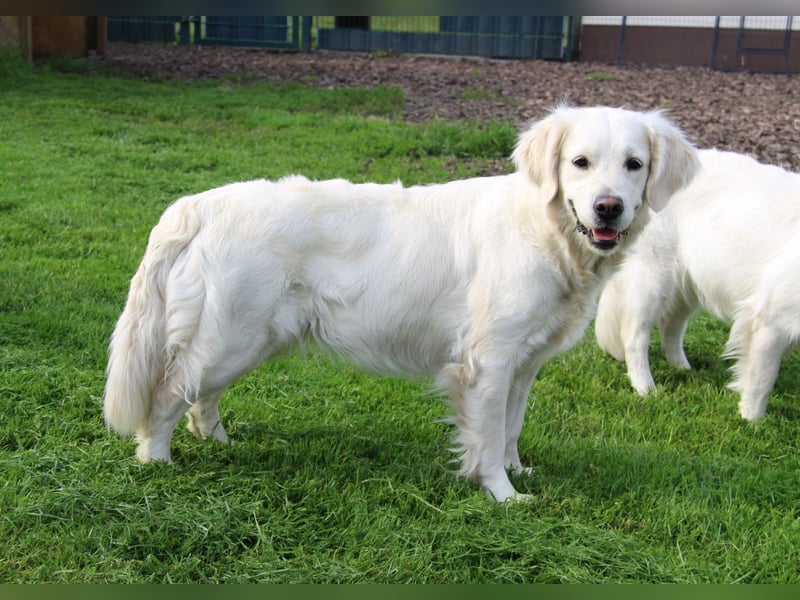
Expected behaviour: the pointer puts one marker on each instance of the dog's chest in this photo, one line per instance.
(565, 325)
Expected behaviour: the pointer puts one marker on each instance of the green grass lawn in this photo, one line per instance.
(332, 475)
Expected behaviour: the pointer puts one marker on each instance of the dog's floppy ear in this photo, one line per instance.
(538, 152)
(673, 161)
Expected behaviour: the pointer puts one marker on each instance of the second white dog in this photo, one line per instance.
(729, 243)
(475, 282)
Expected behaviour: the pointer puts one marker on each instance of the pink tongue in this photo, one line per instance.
(604, 235)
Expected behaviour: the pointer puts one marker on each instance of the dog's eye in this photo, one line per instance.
(581, 162)
(633, 164)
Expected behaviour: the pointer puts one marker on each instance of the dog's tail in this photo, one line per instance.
(138, 355)
(608, 321)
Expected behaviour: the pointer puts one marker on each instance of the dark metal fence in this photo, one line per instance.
(757, 45)
(143, 29)
(498, 37)
(760, 43)
(267, 32)
(272, 32)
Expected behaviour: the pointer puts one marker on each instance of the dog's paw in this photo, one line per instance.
(203, 430)
(520, 470)
(147, 451)
(644, 388)
(220, 434)
(508, 496)
(752, 411)
(519, 498)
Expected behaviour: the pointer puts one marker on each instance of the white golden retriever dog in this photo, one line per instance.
(729, 243)
(475, 283)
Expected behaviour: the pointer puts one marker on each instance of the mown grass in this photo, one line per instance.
(332, 475)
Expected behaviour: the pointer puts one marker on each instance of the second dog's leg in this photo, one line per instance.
(637, 348)
(673, 328)
(759, 361)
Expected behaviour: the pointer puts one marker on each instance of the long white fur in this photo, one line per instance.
(474, 283)
(728, 243)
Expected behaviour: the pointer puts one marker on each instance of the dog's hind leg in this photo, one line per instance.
(204, 420)
(166, 409)
(759, 349)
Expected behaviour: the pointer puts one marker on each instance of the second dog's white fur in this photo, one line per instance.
(729, 243)
(475, 282)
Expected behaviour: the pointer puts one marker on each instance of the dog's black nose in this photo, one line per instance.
(608, 207)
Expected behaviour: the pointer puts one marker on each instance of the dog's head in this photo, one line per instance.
(603, 164)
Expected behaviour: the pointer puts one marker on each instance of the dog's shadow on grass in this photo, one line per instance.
(715, 373)
(338, 454)
(415, 455)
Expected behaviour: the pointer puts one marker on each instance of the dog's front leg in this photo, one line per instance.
(673, 327)
(636, 337)
(481, 420)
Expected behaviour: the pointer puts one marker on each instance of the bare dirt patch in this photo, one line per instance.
(754, 113)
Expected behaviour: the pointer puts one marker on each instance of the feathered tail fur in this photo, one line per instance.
(138, 354)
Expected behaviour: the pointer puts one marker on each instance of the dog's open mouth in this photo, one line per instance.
(602, 238)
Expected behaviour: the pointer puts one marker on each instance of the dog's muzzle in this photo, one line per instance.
(606, 209)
